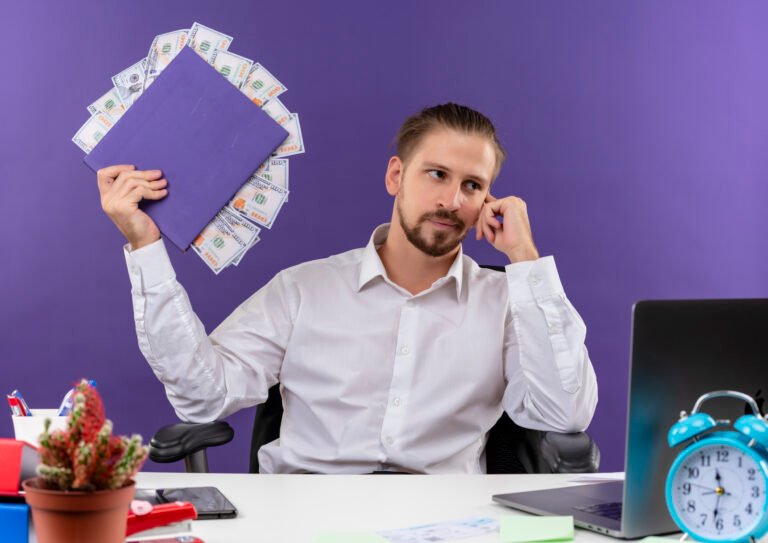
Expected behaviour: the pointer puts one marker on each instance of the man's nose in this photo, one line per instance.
(451, 197)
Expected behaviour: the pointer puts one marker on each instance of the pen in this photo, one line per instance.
(13, 403)
(26, 411)
(66, 403)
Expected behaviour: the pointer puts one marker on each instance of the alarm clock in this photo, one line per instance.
(716, 487)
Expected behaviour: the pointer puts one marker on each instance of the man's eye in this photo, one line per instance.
(437, 174)
(473, 186)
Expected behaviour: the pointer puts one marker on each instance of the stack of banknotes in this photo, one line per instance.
(236, 228)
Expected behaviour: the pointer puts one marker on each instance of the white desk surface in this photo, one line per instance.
(295, 508)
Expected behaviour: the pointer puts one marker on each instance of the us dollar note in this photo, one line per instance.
(218, 244)
(205, 40)
(162, 51)
(259, 201)
(277, 110)
(275, 170)
(294, 143)
(234, 67)
(261, 86)
(247, 231)
(110, 104)
(130, 82)
(92, 131)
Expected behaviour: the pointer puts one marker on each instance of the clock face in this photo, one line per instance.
(718, 492)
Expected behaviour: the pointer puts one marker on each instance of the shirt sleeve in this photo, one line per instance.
(207, 377)
(550, 381)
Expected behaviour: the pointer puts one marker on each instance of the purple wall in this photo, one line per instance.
(636, 132)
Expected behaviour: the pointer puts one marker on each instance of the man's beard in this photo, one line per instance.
(443, 242)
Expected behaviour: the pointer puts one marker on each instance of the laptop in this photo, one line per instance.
(680, 350)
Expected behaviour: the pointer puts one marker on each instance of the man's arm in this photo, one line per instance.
(205, 377)
(551, 384)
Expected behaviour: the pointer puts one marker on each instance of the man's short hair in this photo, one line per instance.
(450, 115)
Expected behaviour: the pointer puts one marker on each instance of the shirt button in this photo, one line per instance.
(554, 329)
(404, 349)
(396, 402)
(536, 280)
(389, 440)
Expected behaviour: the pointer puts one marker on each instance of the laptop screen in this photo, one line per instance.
(681, 350)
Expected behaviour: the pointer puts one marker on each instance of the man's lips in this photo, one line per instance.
(443, 224)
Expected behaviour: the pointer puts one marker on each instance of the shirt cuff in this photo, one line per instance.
(533, 280)
(148, 266)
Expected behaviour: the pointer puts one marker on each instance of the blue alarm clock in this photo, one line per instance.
(716, 487)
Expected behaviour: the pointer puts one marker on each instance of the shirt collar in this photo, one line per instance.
(371, 265)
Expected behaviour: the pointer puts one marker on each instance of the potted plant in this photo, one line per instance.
(84, 485)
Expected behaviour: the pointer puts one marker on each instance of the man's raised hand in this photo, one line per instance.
(512, 235)
(122, 187)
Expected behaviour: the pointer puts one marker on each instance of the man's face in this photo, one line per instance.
(440, 190)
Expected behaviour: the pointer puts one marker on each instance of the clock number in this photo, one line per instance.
(740, 459)
(719, 523)
(755, 491)
(705, 460)
(736, 521)
(691, 508)
(751, 472)
(748, 509)
(703, 519)
(722, 456)
(686, 489)
(693, 473)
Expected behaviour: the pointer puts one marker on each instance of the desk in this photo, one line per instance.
(294, 508)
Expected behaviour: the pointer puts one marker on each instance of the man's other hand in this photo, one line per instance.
(122, 187)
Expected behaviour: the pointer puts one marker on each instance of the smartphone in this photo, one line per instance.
(208, 501)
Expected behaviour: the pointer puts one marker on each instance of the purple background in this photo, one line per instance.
(636, 132)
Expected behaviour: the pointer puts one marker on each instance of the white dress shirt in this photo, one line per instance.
(373, 377)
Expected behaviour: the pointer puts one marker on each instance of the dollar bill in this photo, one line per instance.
(243, 228)
(294, 143)
(205, 40)
(218, 244)
(247, 231)
(92, 131)
(260, 85)
(277, 110)
(275, 170)
(110, 104)
(234, 67)
(130, 82)
(259, 201)
(162, 51)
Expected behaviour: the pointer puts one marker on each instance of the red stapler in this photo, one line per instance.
(145, 516)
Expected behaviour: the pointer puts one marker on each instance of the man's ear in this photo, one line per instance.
(394, 175)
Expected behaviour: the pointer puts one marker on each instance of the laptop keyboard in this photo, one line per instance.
(611, 510)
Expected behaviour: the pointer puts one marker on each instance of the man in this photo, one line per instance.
(399, 356)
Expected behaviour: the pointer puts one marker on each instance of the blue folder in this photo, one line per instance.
(202, 132)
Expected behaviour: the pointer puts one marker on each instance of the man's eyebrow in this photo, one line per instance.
(479, 178)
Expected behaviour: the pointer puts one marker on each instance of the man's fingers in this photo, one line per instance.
(123, 186)
(105, 176)
(143, 192)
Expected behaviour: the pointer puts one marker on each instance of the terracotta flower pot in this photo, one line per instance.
(99, 516)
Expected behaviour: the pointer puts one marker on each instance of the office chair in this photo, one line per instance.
(510, 448)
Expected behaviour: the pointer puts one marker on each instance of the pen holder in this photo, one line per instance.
(29, 428)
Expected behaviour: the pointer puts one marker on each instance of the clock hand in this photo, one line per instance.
(702, 486)
(714, 517)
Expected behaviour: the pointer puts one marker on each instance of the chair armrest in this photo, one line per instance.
(553, 452)
(188, 441)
